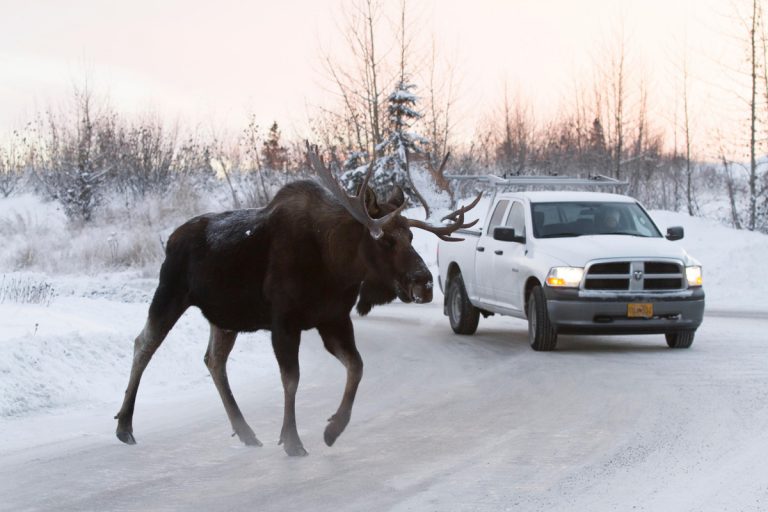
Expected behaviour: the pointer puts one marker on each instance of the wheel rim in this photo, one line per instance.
(455, 306)
(532, 321)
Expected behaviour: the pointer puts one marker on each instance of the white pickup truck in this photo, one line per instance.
(572, 263)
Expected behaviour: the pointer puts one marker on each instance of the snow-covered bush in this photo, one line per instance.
(38, 235)
(11, 176)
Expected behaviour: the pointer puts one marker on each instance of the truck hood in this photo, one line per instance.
(577, 251)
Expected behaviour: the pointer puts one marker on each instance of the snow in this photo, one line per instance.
(442, 422)
(732, 260)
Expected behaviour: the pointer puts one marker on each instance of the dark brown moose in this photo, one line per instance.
(299, 263)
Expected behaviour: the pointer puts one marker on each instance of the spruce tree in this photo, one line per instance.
(394, 152)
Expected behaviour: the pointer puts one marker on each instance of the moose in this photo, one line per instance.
(301, 262)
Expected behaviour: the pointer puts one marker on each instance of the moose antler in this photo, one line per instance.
(457, 219)
(355, 205)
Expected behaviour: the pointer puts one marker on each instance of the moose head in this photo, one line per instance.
(395, 269)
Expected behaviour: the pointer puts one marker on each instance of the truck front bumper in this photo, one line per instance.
(573, 311)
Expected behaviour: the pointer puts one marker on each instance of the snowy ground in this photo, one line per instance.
(442, 422)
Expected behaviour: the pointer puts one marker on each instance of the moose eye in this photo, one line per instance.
(388, 242)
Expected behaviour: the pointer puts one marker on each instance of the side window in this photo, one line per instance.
(516, 219)
(498, 213)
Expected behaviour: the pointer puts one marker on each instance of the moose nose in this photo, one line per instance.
(421, 290)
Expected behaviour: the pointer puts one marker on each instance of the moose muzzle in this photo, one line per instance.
(417, 287)
(421, 293)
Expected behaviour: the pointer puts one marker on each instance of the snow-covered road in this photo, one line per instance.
(441, 422)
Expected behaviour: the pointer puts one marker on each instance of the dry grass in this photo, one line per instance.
(121, 235)
(26, 290)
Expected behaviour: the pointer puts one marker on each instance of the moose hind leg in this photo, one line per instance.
(285, 343)
(339, 340)
(219, 347)
(163, 314)
(144, 347)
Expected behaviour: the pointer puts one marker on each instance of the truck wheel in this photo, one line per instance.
(541, 334)
(680, 339)
(461, 313)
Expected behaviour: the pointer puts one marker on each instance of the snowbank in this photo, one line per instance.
(77, 352)
(732, 260)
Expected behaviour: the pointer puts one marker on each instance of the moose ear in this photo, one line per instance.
(371, 203)
(396, 198)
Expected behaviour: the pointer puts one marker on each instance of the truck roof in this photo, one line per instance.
(567, 196)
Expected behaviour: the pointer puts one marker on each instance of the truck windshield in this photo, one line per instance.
(557, 220)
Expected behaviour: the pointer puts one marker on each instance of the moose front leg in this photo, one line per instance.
(285, 343)
(339, 340)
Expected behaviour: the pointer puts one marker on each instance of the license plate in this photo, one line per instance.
(637, 310)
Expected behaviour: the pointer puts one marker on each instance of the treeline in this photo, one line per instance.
(83, 154)
(86, 153)
(396, 111)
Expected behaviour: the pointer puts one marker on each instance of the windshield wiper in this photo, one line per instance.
(560, 235)
(623, 233)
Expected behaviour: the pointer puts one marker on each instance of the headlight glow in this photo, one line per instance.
(694, 276)
(565, 277)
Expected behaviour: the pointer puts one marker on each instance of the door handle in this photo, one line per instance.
(498, 252)
(480, 249)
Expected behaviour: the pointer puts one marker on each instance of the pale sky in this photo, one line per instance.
(212, 64)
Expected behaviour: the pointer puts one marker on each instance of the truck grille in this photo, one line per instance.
(635, 276)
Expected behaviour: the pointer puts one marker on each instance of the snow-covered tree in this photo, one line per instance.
(393, 154)
(396, 148)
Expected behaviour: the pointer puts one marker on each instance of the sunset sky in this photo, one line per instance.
(212, 64)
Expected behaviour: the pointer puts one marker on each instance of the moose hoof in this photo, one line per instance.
(252, 441)
(332, 432)
(248, 439)
(329, 436)
(296, 451)
(294, 448)
(126, 437)
(334, 429)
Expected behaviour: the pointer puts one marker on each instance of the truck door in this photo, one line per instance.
(484, 256)
(507, 263)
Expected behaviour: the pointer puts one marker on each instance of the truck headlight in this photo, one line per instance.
(693, 274)
(565, 277)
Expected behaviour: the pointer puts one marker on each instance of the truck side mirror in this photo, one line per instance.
(675, 233)
(507, 235)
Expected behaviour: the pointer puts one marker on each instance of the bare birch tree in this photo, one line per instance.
(689, 194)
(752, 180)
(618, 79)
(359, 83)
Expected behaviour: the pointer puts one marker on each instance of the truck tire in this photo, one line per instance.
(680, 339)
(541, 335)
(462, 315)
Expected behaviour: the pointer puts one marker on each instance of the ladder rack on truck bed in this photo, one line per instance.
(542, 181)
